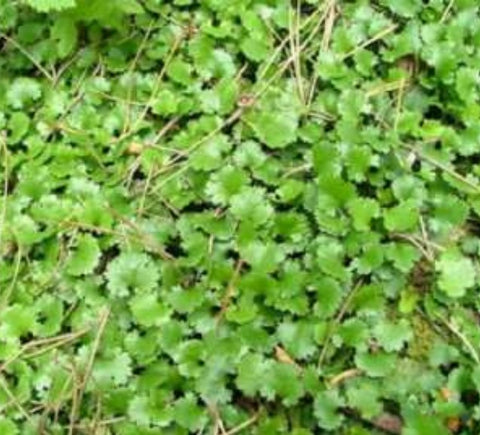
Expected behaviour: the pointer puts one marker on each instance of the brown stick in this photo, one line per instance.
(229, 293)
(81, 390)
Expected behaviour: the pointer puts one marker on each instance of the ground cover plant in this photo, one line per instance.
(239, 217)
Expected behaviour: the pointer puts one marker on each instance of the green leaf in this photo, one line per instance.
(50, 310)
(180, 72)
(326, 410)
(366, 399)
(144, 411)
(330, 256)
(403, 256)
(210, 155)
(467, 83)
(255, 49)
(166, 103)
(405, 8)
(250, 372)
(363, 210)
(251, 205)
(188, 414)
(226, 183)
(139, 410)
(8, 427)
(262, 256)
(85, 258)
(186, 301)
(393, 336)
(131, 272)
(16, 321)
(297, 338)
(378, 364)
(283, 379)
(403, 217)
(18, 125)
(329, 297)
(147, 311)
(355, 333)
(457, 273)
(338, 191)
(276, 130)
(22, 92)
(65, 33)
(419, 424)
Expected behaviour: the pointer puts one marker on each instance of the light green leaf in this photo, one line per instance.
(262, 256)
(297, 338)
(326, 410)
(457, 273)
(147, 311)
(250, 372)
(376, 365)
(251, 205)
(189, 414)
(275, 129)
(393, 336)
(363, 210)
(23, 91)
(65, 32)
(85, 257)
(18, 124)
(131, 272)
(403, 217)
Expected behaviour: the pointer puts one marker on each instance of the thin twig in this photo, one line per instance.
(22, 50)
(327, 36)
(463, 338)
(337, 320)
(426, 241)
(59, 340)
(295, 50)
(285, 41)
(130, 73)
(387, 87)
(415, 243)
(297, 169)
(243, 425)
(143, 236)
(155, 89)
(231, 119)
(104, 316)
(398, 108)
(14, 399)
(139, 237)
(290, 59)
(347, 374)
(370, 41)
(101, 423)
(443, 167)
(144, 193)
(447, 10)
(154, 144)
(229, 292)
(3, 212)
(219, 427)
(11, 287)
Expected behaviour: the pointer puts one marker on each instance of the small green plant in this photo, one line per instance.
(239, 217)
